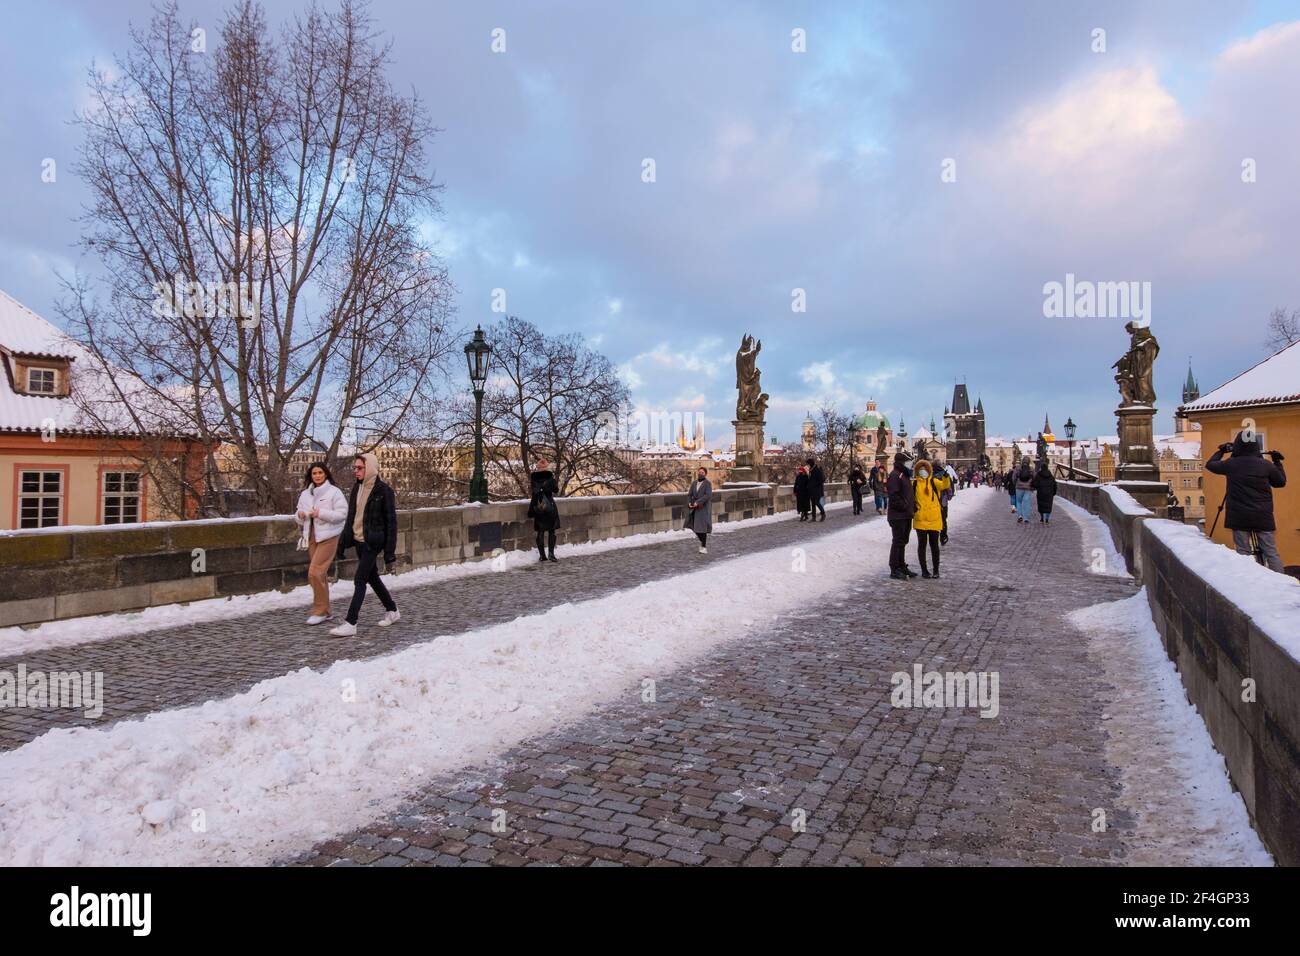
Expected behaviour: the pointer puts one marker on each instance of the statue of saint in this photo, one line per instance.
(751, 403)
(1135, 369)
(881, 438)
(1042, 449)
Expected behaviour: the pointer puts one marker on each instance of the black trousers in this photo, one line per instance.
(549, 537)
(368, 573)
(902, 530)
(704, 538)
(857, 499)
(931, 538)
(943, 536)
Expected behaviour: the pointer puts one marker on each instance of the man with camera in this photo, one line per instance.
(1249, 500)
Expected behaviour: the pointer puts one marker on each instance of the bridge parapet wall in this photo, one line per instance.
(1232, 628)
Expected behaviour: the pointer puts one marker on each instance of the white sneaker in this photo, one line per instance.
(319, 619)
(390, 618)
(704, 550)
(344, 630)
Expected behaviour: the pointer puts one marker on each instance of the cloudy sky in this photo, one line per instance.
(822, 171)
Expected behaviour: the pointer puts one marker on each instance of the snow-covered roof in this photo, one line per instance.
(1274, 381)
(1186, 450)
(24, 333)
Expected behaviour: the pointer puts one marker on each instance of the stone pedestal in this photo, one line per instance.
(749, 452)
(1136, 461)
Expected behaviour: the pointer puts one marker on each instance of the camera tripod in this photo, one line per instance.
(1255, 550)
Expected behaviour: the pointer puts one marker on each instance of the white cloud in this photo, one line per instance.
(1276, 39)
(1122, 110)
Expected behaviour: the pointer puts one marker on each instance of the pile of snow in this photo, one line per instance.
(1271, 600)
(1099, 551)
(296, 759)
(99, 627)
(1173, 780)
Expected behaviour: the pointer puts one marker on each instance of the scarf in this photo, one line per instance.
(363, 496)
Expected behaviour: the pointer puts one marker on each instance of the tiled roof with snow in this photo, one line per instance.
(24, 333)
(1274, 381)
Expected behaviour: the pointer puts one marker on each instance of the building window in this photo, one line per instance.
(121, 497)
(1202, 499)
(41, 381)
(1188, 500)
(40, 499)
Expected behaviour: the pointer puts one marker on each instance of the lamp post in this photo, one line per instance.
(1069, 435)
(477, 355)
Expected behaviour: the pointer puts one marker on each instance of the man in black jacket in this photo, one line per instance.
(902, 507)
(817, 488)
(857, 478)
(371, 528)
(1249, 500)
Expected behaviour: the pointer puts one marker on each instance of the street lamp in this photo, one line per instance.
(1069, 434)
(477, 355)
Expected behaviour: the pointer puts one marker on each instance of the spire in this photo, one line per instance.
(1047, 426)
(979, 406)
(960, 400)
(1191, 391)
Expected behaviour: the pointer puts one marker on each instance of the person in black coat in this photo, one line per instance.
(371, 528)
(1249, 499)
(543, 510)
(817, 488)
(902, 507)
(879, 476)
(802, 498)
(1045, 485)
(857, 481)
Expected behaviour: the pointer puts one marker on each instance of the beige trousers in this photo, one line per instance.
(320, 556)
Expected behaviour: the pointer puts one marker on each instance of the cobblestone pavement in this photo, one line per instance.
(180, 666)
(795, 724)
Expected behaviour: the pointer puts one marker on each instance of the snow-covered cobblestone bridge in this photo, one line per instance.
(644, 704)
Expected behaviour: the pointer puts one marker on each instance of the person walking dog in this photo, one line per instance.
(543, 510)
(322, 511)
(371, 528)
(700, 519)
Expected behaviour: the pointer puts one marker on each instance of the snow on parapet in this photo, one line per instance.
(1269, 599)
(1125, 503)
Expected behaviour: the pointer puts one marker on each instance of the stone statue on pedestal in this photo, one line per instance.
(1134, 374)
(751, 402)
(1136, 367)
(751, 410)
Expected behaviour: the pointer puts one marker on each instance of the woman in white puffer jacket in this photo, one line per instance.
(322, 512)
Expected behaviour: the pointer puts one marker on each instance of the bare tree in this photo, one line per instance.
(549, 395)
(257, 203)
(834, 436)
(1283, 329)
(782, 467)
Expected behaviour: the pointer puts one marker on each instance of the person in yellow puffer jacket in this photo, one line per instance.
(928, 486)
